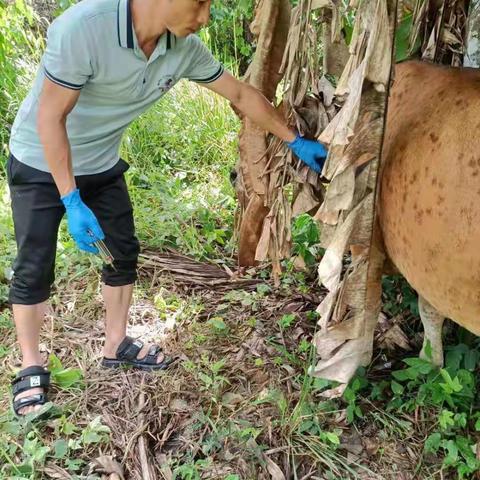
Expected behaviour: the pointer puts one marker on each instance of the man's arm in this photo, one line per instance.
(255, 106)
(55, 104)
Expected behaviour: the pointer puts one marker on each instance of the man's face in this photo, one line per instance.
(184, 17)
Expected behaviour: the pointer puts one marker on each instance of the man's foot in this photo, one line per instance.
(133, 352)
(29, 389)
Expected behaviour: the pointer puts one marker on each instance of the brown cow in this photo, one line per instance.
(429, 202)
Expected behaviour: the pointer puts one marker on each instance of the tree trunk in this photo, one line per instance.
(271, 26)
(349, 312)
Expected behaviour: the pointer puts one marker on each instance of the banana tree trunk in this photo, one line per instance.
(349, 312)
(271, 27)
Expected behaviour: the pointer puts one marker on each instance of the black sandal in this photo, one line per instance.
(127, 353)
(28, 379)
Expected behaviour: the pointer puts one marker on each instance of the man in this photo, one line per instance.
(106, 61)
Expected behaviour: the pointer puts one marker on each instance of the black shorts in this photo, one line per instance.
(37, 211)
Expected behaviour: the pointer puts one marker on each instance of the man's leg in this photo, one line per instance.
(37, 212)
(117, 303)
(28, 322)
(109, 199)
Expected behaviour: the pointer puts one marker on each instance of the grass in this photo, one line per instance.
(181, 154)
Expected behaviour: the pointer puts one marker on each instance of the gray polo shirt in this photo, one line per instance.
(92, 47)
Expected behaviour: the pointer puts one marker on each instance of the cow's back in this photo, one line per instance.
(429, 201)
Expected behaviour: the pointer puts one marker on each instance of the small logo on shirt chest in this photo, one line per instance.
(165, 84)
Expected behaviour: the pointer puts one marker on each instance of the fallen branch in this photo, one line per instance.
(191, 272)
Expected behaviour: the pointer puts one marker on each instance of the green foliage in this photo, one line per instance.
(63, 377)
(20, 45)
(451, 392)
(228, 30)
(351, 395)
(403, 51)
(62, 5)
(444, 399)
(190, 470)
(311, 423)
(402, 38)
(428, 386)
(348, 22)
(306, 238)
(402, 34)
(244, 298)
(287, 320)
(35, 449)
(219, 325)
(209, 376)
(180, 154)
(398, 296)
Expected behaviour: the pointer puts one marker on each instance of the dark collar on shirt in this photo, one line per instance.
(125, 26)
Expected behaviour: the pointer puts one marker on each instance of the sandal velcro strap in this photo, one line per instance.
(37, 399)
(31, 377)
(129, 348)
(152, 356)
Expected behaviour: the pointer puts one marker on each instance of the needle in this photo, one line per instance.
(104, 252)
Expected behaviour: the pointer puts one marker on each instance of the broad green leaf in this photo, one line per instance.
(305, 426)
(450, 385)
(90, 436)
(409, 373)
(60, 448)
(350, 413)
(422, 366)
(74, 464)
(452, 452)
(218, 323)
(460, 420)
(54, 364)
(397, 389)
(68, 377)
(445, 419)
(332, 438)
(432, 443)
(428, 350)
(453, 359)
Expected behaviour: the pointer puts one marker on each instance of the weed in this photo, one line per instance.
(398, 296)
(306, 239)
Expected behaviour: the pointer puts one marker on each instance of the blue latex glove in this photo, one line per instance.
(82, 220)
(310, 152)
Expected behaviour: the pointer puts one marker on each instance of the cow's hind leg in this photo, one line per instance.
(432, 322)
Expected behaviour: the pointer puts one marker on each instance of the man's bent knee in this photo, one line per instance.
(28, 292)
(123, 272)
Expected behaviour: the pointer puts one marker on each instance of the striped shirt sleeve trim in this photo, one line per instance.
(63, 83)
(214, 77)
